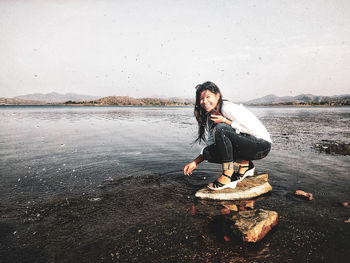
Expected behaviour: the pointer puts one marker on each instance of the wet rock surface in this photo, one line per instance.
(333, 147)
(250, 187)
(253, 225)
(303, 195)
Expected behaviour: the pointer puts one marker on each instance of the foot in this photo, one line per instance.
(224, 181)
(246, 168)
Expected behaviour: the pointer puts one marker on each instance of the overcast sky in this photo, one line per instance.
(165, 48)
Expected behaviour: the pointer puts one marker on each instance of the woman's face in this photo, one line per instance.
(209, 100)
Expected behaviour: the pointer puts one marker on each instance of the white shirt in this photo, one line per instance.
(243, 121)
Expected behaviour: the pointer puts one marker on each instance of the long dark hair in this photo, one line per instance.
(200, 113)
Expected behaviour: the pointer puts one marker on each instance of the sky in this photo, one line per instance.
(249, 48)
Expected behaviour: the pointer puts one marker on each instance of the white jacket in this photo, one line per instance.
(243, 121)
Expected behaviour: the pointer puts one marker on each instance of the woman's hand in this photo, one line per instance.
(190, 167)
(217, 118)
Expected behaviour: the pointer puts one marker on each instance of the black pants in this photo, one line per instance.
(230, 146)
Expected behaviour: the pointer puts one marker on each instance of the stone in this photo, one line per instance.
(192, 210)
(345, 204)
(253, 225)
(250, 187)
(333, 147)
(225, 211)
(227, 239)
(231, 207)
(303, 195)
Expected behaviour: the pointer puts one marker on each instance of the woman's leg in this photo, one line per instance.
(237, 147)
(230, 146)
(240, 147)
(221, 152)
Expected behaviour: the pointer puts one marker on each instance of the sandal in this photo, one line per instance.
(220, 186)
(237, 177)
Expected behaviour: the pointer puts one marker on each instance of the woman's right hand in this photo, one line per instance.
(190, 167)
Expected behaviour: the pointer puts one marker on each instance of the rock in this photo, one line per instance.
(225, 211)
(95, 199)
(231, 207)
(303, 195)
(192, 210)
(333, 147)
(246, 205)
(250, 187)
(227, 239)
(253, 225)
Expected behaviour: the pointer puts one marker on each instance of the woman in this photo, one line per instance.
(234, 134)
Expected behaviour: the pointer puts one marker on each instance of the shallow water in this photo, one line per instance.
(56, 160)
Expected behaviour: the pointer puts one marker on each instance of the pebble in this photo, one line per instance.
(225, 211)
(304, 195)
(192, 210)
(96, 199)
(227, 239)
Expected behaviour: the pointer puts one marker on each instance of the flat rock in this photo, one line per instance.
(252, 225)
(303, 195)
(250, 187)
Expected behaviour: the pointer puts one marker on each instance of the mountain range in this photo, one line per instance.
(307, 99)
(73, 98)
(54, 97)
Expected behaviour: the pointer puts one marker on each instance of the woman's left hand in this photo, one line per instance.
(217, 118)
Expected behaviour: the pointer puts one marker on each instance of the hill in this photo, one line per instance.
(129, 101)
(13, 101)
(55, 97)
(302, 99)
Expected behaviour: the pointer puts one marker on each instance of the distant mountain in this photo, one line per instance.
(54, 97)
(12, 101)
(182, 100)
(302, 99)
(125, 100)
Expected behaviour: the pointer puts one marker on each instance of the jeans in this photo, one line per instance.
(232, 147)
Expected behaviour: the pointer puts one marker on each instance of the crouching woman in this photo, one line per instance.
(232, 133)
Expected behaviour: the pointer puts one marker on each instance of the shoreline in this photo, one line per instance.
(152, 219)
(107, 105)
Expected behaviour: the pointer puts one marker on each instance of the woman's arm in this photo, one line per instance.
(193, 165)
(220, 119)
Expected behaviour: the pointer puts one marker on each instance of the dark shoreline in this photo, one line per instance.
(153, 219)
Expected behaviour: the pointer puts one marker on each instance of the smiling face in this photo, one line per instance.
(209, 100)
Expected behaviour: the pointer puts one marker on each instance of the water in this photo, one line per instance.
(133, 157)
(56, 150)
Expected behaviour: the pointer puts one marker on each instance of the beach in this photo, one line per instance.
(106, 185)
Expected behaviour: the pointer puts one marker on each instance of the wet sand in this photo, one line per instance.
(152, 219)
